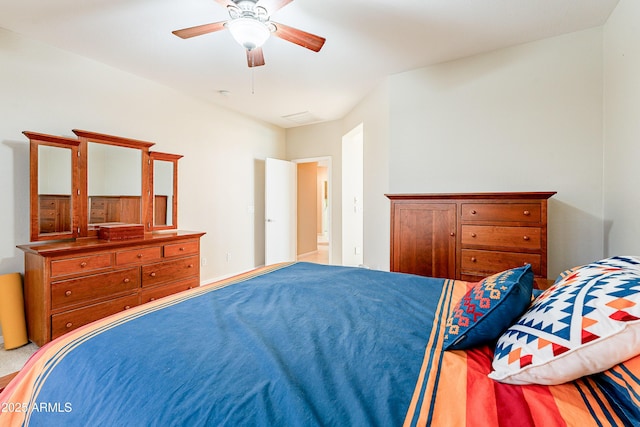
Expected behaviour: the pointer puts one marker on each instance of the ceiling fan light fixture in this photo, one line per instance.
(248, 32)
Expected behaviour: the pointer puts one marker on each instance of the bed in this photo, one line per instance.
(303, 344)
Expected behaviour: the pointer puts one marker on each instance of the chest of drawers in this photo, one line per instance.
(71, 283)
(468, 236)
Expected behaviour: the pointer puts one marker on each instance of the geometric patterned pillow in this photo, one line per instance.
(587, 322)
(489, 308)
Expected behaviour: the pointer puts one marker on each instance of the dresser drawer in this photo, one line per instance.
(491, 262)
(525, 238)
(84, 264)
(181, 249)
(502, 212)
(152, 294)
(69, 320)
(98, 204)
(169, 271)
(47, 223)
(138, 256)
(97, 286)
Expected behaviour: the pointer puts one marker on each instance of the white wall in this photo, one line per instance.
(622, 130)
(373, 112)
(51, 91)
(526, 118)
(323, 140)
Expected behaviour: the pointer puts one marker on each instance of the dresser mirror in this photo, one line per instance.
(79, 184)
(114, 183)
(164, 174)
(54, 187)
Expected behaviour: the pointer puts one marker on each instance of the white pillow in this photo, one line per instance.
(585, 323)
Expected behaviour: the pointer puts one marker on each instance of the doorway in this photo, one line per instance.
(314, 210)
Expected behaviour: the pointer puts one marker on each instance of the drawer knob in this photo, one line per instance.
(139, 255)
(126, 280)
(152, 274)
(67, 293)
(83, 264)
(473, 259)
(473, 234)
(182, 249)
(527, 213)
(127, 307)
(526, 238)
(473, 212)
(68, 325)
(190, 266)
(152, 299)
(452, 234)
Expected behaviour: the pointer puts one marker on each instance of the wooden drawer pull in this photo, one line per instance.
(152, 274)
(83, 264)
(526, 237)
(473, 212)
(67, 293)
(68, 325)
(452, 234)
(474, 235)
(473, 259)
(190, 266)
(127, 307)
(139, 255)
(527, 213)
(152, 299)
(126, 280)
(182, 249)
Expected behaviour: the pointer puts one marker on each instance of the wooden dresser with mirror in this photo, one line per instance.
(80, 188)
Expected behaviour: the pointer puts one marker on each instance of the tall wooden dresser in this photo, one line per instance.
(68, 284)
(469, 236)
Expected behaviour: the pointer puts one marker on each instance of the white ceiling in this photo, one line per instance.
(366, 41)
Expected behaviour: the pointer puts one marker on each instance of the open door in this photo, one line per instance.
(280, 211)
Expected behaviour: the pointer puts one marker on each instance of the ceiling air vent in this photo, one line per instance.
(303, 118)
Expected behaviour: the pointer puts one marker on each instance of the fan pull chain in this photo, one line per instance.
(253, 80)
(252, 66)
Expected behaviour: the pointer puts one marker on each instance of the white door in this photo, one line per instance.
(280, 211)
(352, 195)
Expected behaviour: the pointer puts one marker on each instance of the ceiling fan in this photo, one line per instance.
(250, 25)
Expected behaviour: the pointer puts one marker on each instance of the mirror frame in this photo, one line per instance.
(35, 141)
(79, 177)
(85, 137)
(173, 158)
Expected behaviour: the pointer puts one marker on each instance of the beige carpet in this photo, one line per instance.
(13, 360)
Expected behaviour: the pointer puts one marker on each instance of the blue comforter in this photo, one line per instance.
(302, 345)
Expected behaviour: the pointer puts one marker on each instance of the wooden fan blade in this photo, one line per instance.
(226, 3)
(199, 30)
(273, 5)
(255, 57)
(299, 37)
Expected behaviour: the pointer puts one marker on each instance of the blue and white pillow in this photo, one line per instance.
(585, 323)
